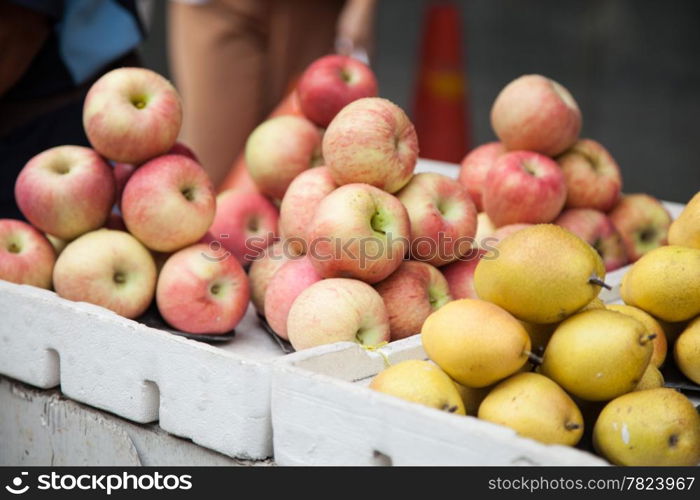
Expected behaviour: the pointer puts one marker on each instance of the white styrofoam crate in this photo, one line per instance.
(216, 396)
(323, 413)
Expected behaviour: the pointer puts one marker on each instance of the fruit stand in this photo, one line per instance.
(440, 313)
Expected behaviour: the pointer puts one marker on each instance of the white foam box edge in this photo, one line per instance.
(323, 414)
(216, 398)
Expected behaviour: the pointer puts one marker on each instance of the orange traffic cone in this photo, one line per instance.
(440, 108)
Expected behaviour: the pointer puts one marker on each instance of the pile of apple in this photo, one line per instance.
(361, 236)
(148, 245)
(541, 172)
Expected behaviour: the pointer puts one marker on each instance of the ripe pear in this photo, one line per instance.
(651, 379)
(687, 351)
(657, 427)
(421, 382)
(685, 230)
(598, 355)
(660, 346)
(471, 397)
(477, 343)
(596, 303)
(540, 274)
(665, 283)
(536, 407)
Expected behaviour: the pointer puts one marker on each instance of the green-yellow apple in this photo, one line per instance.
(371, 141)
(359, 231)
(300, 202)
(26, 256)
(330, 83)
(643, 223)
(66, 191)
(278, 150)
(131, 115)
(442, 216)
(475, 166)
(536, 113)
(337, 310)
(524, 187)
(108, 268)
(201, 292)
(292, 278)
(245, 224)
(169, 203)
(410, 295)
(593, 179)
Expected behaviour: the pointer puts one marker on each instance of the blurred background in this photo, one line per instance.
(632, 65)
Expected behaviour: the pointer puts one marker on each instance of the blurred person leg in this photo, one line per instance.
(232, 61)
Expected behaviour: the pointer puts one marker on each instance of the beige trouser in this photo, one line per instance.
(232, 61)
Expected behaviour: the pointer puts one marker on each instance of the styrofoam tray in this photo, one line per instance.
(323, 413)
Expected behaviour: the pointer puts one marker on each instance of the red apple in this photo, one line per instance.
(593, 179)
(168, 203)
(460, 275)
(337, 310)
(292, 278)
(122, 174)
(504, 231)
(332, 82)
(596, 228)
(359, 231)
(202, 293)
(524, 187)
(371, 141)
(278, 150)
(411, 294)
(107, 268)
(536, 113)
(642, 222)
(66, 191)
(26, 256)
(245, 224)
(132, 115)
(300, 202)
(475, 166)
(181, 149)
(442, 216)
(264, 268)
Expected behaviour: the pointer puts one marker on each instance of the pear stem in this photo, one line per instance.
(648, 338)
(593, 280)
(571, 426)
(534, 358)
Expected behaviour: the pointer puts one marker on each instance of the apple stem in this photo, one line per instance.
(534, 358)
(377, 348)
(593, 280)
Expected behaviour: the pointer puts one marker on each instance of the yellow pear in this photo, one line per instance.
(596, 303)
(657, 427)
(540, 274)
(665, 283)
(420, 382)
(536, 407)
(658, 355)
(685, 230)
(477, 343)
(471, 397)
(687, 351)
(651, 379)
(598, 355)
